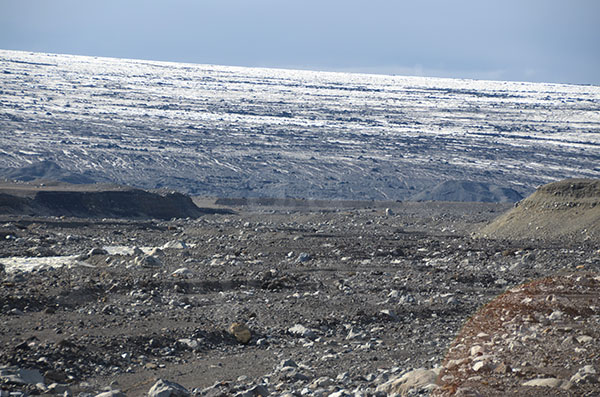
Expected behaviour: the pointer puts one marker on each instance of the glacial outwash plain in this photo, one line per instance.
(174, 229)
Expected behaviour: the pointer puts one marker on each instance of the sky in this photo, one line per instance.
(519, 40)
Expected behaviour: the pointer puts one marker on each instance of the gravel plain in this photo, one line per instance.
(328, 298)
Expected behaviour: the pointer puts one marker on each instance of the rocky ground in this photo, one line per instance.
(327, 301)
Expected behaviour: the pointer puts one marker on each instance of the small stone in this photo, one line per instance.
(478, 366)
(111, 393)
(57, 388)
(175, 244)
(165, 388)
(191, 343)
(544, 382)
(556, 315)
(467, 392)
(583, 339)
(147, 261)
(288, 363)
(55, 376)
(355, 334)
(419, 379)
(258, 390)
(303, 257)
(302, 331)
(300, 376)
(183, 272)
(389, 314)
(97, 251)
(477, 350)
(568, 341)
(322, 382)
(502, 368)
(340, 393)
(451, 364)
(586, 374)
(241, 332)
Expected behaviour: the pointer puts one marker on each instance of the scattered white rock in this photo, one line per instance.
(303, 257)
(191, 343)
(390, 314)
(477, 350)
(586, 374)
(321, 382)
(183, 272)
(147, 261)
(355, 334)
(301, 331)
(156, 252)
(111, 393)
(556, 315)
(165, 388)
(544, 382)
(175, 244)
(97, 251)
(414, 381)
(583, 339)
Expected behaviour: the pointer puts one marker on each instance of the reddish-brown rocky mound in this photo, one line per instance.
(537, 339)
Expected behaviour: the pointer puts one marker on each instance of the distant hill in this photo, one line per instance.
(568, 209)
(468, 191)
(97, 201)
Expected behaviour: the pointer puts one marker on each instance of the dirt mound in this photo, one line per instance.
(95, 203)
(468, 191)
(544, 333)
(568, 209)
(119, 204)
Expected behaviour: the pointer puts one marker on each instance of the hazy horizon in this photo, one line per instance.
(535, 41)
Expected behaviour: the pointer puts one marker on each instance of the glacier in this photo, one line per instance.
(225, 131)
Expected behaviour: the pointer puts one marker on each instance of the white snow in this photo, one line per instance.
(29, 264)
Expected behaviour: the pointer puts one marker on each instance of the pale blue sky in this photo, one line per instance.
(523, 40)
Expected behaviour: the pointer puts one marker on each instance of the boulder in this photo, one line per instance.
(241, 332)
(544, 382)
(21, 376)
(165, 388)
(414, 381)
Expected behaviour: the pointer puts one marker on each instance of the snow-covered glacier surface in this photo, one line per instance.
(250, 132)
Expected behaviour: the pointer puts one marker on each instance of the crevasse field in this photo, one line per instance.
(250, 132)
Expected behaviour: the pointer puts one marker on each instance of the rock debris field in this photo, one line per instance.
(296, 298)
